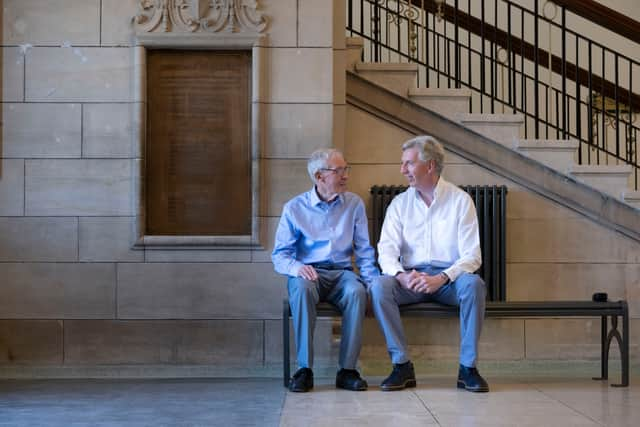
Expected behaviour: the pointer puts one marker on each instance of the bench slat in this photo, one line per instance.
(505, 309)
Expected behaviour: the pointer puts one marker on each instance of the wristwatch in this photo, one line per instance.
(446, 277)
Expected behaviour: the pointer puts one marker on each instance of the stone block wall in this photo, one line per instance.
(77, 300)
(75, 297)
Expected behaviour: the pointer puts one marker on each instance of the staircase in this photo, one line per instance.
(437, 41)
(505, 129)
(493, 141)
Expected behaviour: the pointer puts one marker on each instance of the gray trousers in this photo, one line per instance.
(468, 292)
(341, 288)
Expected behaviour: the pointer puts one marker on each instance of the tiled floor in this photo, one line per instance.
(264, 402)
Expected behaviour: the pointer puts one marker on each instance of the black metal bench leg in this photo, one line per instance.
(285, 343)
(624, 347)
(604, 350)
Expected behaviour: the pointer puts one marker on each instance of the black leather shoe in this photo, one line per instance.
(302, 381)
(349, 379)
(401, 377)
(470, 379)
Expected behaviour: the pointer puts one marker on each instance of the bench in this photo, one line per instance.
(490, 204)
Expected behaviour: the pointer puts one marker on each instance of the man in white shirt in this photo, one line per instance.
(429, 250)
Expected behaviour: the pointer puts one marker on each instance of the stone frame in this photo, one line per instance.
(257, 44)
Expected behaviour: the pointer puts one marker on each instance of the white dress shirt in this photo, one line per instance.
(444, 234)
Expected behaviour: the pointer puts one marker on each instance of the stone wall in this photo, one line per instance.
(75, 296)
(77, 300)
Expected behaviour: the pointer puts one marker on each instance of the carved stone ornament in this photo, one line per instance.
(230, 16)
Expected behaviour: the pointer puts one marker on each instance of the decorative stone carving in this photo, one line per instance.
(230, 16)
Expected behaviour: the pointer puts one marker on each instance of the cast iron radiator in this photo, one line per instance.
(491, 207)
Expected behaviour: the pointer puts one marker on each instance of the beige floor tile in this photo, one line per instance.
(391, 419)
(436, 401)
(605, 404)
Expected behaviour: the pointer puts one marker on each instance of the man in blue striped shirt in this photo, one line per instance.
(318, 234)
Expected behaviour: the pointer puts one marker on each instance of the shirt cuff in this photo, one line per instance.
(393, 269)
(294, 269)
(453, 273)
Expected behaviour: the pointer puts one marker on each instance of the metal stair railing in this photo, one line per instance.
(576, 88)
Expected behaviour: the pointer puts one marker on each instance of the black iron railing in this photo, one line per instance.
(566, 85)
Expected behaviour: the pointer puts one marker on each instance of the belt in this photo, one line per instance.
(331, 267)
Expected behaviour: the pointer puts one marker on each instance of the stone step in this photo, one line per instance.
(354, 47)
(502, 128)
(447, 102)
(632, 198)
(611, 179)
(397, 77)
(558, 154)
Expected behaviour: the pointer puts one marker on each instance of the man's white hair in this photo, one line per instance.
(319, 159)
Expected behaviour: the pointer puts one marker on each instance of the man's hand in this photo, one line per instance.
(405, 278)
(425, 283)
(307, 272)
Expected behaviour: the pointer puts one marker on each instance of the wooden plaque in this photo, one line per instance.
(198, 169)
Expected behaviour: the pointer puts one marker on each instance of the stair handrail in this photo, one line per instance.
(604, 16)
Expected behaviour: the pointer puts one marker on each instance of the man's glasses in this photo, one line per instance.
(339, 171)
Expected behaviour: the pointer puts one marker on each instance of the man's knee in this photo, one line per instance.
(355, 291)
(472, 287)
(298, 286)
(381, 287)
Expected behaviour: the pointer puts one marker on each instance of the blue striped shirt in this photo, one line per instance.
(312, 231)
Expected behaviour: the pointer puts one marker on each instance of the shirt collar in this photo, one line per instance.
(315, 200)
(438, 192)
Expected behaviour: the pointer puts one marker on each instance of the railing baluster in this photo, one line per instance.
(509, 60)
(578, 101)
(547, 89)
(350, 17)
(376, 31)
(362, 16)
(557, 105)
(615, 91)
(592, 114)
(564, 74)
(482, 57)
(523, 81)
(436, 52)
(632, 143)
(447, 54)
(470, 79)
(398, 24)
(457, 45)
(604, 110)
(493, 60)
(426, 42)
(536, 82)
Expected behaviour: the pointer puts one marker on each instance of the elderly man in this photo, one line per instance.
(429, 249)
(318, 234)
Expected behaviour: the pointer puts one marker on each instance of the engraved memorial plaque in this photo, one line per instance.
(198, 175)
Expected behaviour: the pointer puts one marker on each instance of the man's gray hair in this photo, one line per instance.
(428, 149)
(319, 159)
